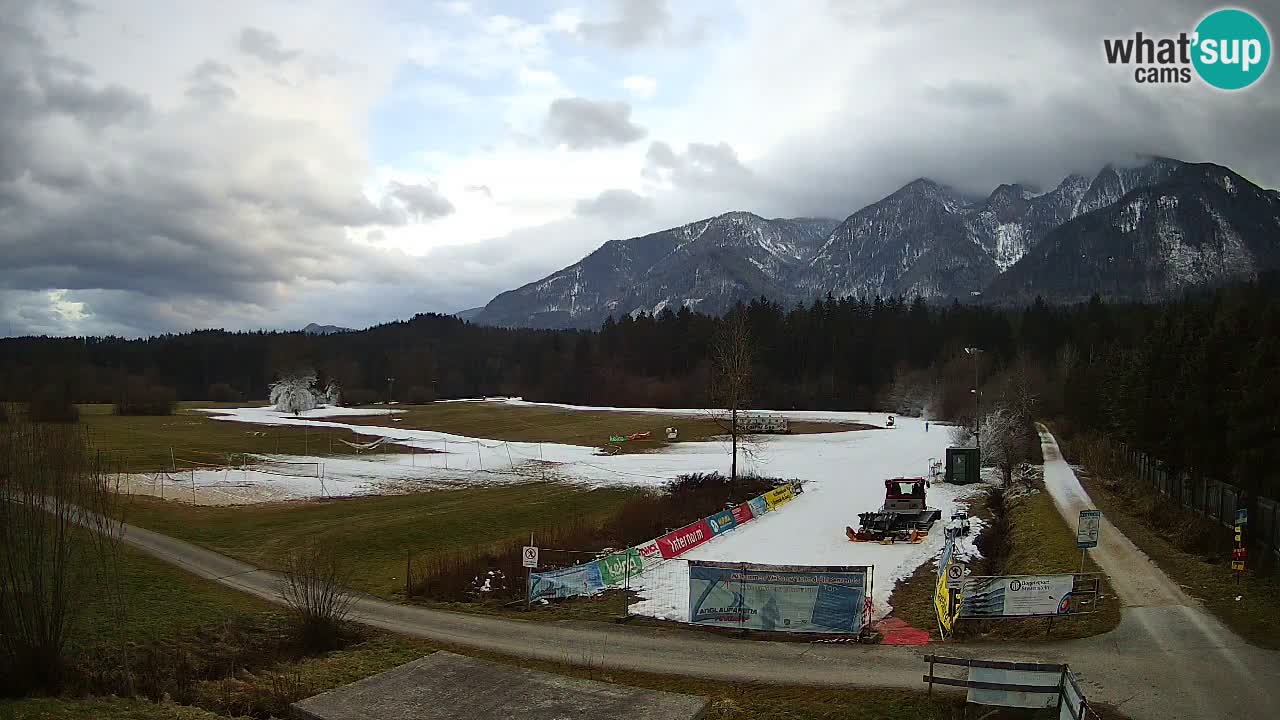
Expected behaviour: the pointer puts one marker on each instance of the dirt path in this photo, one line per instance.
(1193, 657)
(1163, 662)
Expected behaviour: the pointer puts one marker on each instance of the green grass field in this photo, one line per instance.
(144, 443)
(373, 534)
(576, 427)
(191, 437)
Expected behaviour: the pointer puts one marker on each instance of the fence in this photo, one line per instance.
(648, 568)
(1206, 497)
(1015, 684)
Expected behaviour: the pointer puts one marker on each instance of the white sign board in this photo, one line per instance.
(1089, 528)
(1017, 596)
(1013, 698)
(530, 556)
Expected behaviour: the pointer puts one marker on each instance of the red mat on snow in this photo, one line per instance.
(896, 632)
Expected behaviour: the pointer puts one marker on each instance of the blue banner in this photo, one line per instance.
(783, 598)
(573, 581)
(722, 522)
(758, 505)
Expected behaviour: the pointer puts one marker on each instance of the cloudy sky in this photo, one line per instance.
(269, 163)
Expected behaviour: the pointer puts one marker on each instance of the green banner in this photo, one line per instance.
(617, 438)
(613, 569)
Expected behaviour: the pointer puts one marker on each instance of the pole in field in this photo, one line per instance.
(529, 558)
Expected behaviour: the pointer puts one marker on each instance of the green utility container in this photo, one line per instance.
(963, 465)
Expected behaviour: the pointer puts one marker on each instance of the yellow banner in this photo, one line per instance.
(942, 601)
(778, 496)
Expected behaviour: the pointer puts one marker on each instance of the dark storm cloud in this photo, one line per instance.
(422, 201)
(700, 166)
(265, 46)
(164, 220)
(615, 203)
(1015, 93)
(584, 124)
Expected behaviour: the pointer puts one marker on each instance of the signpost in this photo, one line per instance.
(529, 559)
(1239, 552)
(1087, 532)
(529, 556)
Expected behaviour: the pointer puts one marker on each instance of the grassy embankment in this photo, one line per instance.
(1189, 549)
(237, 660)
(374, 535)
(1022, 536)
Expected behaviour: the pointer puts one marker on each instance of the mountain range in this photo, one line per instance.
(1144, 232)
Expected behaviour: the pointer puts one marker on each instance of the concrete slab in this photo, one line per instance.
(444, 686)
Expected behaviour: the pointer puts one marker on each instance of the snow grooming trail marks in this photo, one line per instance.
(844, 474)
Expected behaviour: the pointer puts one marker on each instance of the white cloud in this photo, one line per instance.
(810, 107)
(641, 86)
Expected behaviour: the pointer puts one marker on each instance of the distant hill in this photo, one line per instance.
(318, 329)
(469, 314)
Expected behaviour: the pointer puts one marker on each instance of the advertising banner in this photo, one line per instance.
(946, 592)
(616, 568)
(570, 582)
(742, 513)
(649, 550)
(1017, 596)
(678, 542)
(758, 505)
(722, 521)
(778, 496)
(785, 598)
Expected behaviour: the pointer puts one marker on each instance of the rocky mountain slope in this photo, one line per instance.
(926, 239)
(1200, 225)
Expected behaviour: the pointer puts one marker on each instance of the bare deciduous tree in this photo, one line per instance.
(731, 379)
(315, 589)
(59, 540)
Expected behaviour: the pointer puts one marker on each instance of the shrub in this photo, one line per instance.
(223, 392)
(138, 397)
(52, 403)
(315, 589)
(494, 572)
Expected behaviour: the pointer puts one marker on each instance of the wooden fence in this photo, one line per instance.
(1208, 498)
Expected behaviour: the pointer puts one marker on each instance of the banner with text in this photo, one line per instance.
(784, 598)
(678, 542)
(1017, 596)
(569, 582)
(615, 569)
(780, 495)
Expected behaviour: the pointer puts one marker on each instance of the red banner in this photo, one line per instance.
(742, 513)
(678, 542)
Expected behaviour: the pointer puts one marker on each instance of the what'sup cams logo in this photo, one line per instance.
(1229, 49)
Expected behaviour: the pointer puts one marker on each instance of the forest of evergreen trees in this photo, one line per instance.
(1193, 382)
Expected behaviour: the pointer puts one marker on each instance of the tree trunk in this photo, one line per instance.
(733, 433)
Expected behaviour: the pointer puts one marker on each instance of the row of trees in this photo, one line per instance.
(1191, 381)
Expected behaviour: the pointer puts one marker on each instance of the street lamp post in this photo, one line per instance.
(977, 401)
(391, 383)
